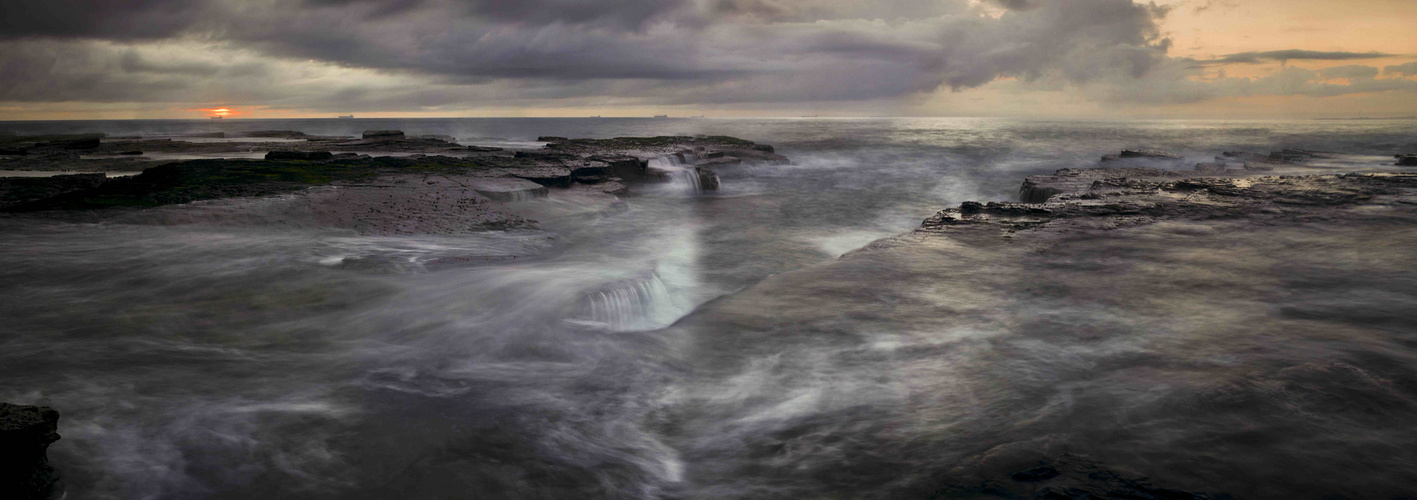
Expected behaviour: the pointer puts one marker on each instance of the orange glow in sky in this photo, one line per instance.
(218, 111)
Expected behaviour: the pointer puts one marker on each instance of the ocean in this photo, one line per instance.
(719, 345)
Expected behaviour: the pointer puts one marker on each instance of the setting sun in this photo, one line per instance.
(218, 112)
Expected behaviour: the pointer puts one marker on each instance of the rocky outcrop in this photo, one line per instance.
(623, 166)
(17, 191)
(1039, 188)
(1142, 158)
(25, 435)
(1249, 161)
(1407, 160)
(299, 155)
(382, 135)
(1111, 200)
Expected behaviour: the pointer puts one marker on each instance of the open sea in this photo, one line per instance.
(719, 345)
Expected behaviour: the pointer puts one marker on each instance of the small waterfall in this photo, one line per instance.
(672, 169)
(688, 178)
(630, 305)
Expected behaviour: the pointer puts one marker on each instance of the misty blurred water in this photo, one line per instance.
(196, 361)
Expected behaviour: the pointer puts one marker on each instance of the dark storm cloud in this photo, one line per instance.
(1293, 55)
(108, 19)
(363, 54)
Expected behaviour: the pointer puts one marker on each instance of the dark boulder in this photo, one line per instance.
(1407, 161)
(628, 168)
(383, 134)
(591, 172)
(299, 155)
(708, 179)
(25, 435)
(766, 148)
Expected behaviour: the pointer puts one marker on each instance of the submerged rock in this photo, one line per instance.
(382, 134)
(1143, 157)
(25, 435)
(299, 155)
(277, 134)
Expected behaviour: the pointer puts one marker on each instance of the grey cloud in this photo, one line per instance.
(1016, 4)
(1352, 71)
(1408, 69)
(1293, 55)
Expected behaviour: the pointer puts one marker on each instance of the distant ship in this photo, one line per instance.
(216, 117)
(346, 117)
(661, 116)
(595, 116)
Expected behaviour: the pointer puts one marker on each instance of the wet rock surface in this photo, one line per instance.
(299, 155)
(17, 191)
(325, 172)
(25, 435)
(1122, 197)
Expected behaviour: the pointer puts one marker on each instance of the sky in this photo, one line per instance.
(1231, 59)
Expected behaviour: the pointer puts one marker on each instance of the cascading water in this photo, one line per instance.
(677, 173)
(634, 305)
